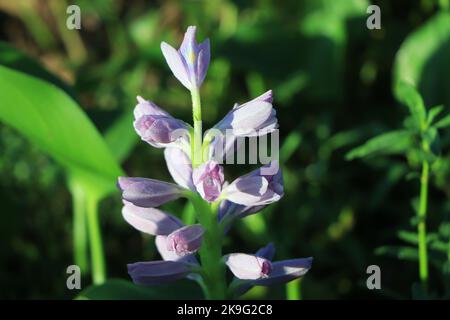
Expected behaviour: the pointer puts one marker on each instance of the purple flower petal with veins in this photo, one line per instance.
(185, 240)
(180, 167)
(190, 63)
(149, 220)
(247, 266)
(148, 193)
(208, 179)
(158, 272)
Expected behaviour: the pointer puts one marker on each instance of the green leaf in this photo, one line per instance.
(408, 236)
(290, 145)
(50, 119)
(121, 137)
(118, 289)
(392, 142)
(408, 95)
(444, 122)
(402, 253)
(433, 113)
(422, 60)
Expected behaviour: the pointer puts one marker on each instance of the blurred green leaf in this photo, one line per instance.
(444, 122)
(392, 142)
(290, 145)
(408, 236)
(121, 137)
(423, 60)
(402, 253)
(433, 113)
(408, 95)
(117, 289)
(53, 121)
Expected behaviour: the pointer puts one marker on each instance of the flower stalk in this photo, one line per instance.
(196, 145)
(213, 268)
(96, 245)
(421, 226)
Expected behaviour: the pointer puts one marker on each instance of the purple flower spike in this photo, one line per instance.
(254, 118)
(149, 220)
(285, 271)
(158, 272)
(148, 193)
(190, 63)
(208, 179)
(157, 127)
(180, 167)
(185, 240)
(247, 266)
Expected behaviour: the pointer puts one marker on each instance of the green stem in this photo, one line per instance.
(196, 145)
(97, 255)
(293, 290)
(213, 268)
(421, 227)
(79, 227)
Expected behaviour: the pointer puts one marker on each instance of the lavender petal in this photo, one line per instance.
(248, 267)
(149, 220)
(147, 193)
(180, 167)
(158, 272)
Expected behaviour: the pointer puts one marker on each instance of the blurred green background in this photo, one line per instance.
(332, 84)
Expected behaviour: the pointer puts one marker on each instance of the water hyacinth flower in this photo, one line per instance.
(257, 188)
(150, 220)
(248, 267)
(208, 179)
(185, 240)
(190, 63)
(147, 193)
(156, 127)
(158, 272)
(254, 118)
(262, 271)
(216, 202)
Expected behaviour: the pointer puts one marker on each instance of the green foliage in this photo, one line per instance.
(55, 123)
(117, 289)
(423, 61)
(331, 79)
(394, 142)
